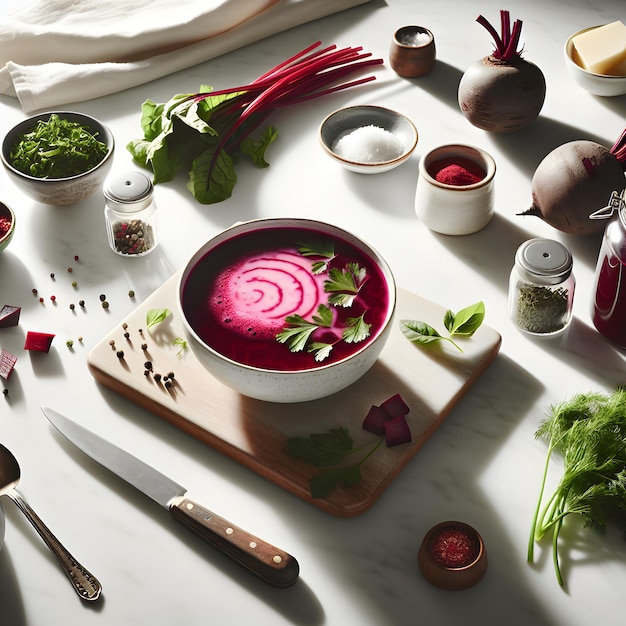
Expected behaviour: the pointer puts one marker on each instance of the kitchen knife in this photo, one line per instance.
(266, 561)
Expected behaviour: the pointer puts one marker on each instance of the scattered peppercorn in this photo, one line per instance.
(120, 354)
(81, 303)
(75, 257)
(72, 306)
(80, 339)
(112, 344)
(168, 384)
(105, 304)
(5, 392)
(157, 378)
(126, 335)
(131, 293)
(34, 292)
(124, 325)
(144, 346)
(102, 297)
(171, 375)
(53, 298)
(74, 284)
(41, 299)
(52, 275)
(69, 343)
(148, 365)
(146, 373)
(70, 270)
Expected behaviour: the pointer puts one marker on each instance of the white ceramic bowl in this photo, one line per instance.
(59, 191)
(345, 121)
(455, 209)
(282, 384)
(597, 84)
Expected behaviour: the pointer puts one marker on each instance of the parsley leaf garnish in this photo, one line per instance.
(327, 451)
(344, 284)
(299, 331)
(356, 329)
(325, 249)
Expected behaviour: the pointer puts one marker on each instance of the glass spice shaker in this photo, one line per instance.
(130, 214)
(541, 287)
(609, 299)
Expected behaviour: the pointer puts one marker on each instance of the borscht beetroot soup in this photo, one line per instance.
(286, 298)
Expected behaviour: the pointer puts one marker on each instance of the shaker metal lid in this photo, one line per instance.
(129, 191)
(543, 260)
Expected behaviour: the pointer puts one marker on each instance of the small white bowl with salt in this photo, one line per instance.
(368, 139)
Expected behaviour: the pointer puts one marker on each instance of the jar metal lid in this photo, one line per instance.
(543, 260)
(128, 191)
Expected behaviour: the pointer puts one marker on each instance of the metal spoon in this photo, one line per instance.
(84, 583)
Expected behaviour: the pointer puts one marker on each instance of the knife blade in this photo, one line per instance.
(263, 559)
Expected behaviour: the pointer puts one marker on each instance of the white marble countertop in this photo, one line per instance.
(482, 466)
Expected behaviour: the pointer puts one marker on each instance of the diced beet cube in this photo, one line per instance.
(395, 406)
(9, 315)
(375, 419)
(39, 342)
(7, 363)
(397, 431)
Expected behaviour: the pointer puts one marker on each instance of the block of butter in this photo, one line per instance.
(602, 50)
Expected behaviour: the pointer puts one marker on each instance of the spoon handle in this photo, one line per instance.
(84, 582)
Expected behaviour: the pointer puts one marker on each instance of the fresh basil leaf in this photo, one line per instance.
(467, 321)
(419, 332)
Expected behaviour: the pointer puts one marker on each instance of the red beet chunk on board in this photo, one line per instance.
(9, 315)
(395, 406)
(39, 342)
(397, 431)
(389, 419)
(375, 419)
(7, 363)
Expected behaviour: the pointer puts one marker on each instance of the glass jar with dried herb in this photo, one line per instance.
(130, 214)
(541, 287)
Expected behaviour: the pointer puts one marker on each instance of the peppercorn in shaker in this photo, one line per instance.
(130, 214)
(541, 287)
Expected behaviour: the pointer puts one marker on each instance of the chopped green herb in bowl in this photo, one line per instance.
(58, 157)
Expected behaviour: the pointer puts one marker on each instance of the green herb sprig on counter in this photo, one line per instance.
(464, 323)
(589, 432)
(57, 148)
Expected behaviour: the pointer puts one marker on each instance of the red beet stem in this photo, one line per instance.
(508, 40)
(619, 149)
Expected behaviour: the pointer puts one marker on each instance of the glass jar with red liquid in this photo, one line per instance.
(609, 300)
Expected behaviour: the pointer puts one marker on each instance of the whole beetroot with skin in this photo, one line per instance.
(573, 181)
(502, 92)
(501, 96)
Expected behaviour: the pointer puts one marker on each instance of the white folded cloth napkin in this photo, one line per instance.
(55, 52)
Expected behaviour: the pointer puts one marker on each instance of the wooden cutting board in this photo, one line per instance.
(430, 379)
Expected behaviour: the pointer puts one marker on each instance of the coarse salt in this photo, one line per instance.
(368, 144)
(414, 39)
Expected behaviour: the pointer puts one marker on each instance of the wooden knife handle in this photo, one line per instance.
(263, 559)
